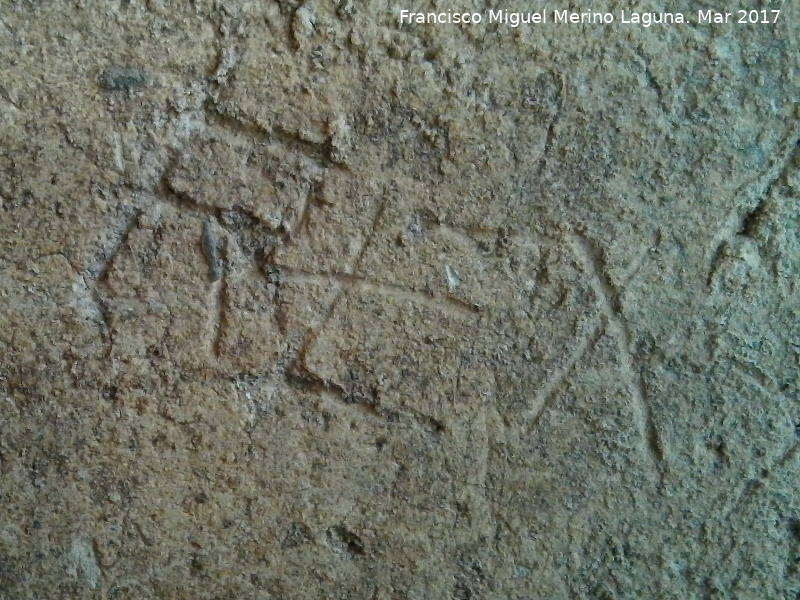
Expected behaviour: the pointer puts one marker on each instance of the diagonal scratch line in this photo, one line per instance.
(110, 256)
(92, 279)
(219, 291)
(750, 489)
(381, 289)
(611, 306)
(546, 394)
(312, 335)
(755, 191)
(545, 397)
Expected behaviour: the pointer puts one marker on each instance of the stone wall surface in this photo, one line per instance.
(299, 302)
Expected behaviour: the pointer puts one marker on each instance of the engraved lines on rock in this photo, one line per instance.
(99, 276)
(556, 109)
(217, 255)
(217, 236)
(754, 195)
(609, 321)
(226, 120)
(754, 486)
(616, 324)
(754, 490)
(298, 372)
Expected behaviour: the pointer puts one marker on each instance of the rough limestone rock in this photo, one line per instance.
(300, 302)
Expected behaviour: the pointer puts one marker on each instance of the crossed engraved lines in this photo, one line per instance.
(218, 270)
(752, 195)
(609, 319)
(613, 321)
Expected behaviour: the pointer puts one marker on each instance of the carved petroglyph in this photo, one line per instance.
(254, 192)
(616, 324)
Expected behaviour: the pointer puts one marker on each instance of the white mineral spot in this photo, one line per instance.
(339, 131)
(83, 302)
(452, 278)
(190, 123)
(119, 160)
(82, 562)
(304, 21)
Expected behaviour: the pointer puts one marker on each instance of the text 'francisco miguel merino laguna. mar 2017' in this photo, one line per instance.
(569, 17)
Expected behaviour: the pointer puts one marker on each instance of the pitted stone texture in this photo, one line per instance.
(298, 303)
